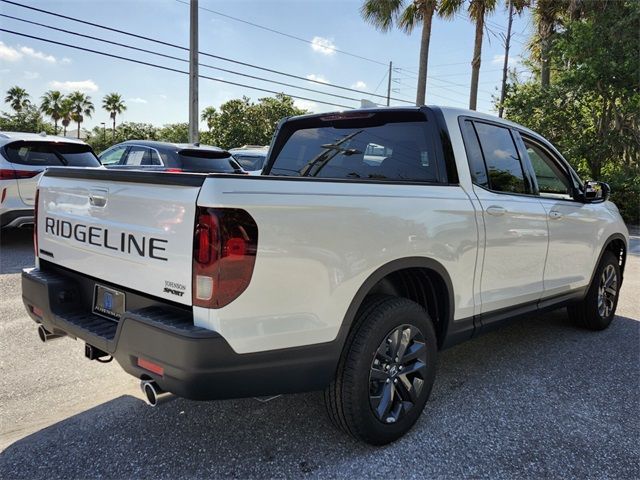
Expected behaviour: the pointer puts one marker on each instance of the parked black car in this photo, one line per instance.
(170, 157)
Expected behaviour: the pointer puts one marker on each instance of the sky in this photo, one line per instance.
(334, 46)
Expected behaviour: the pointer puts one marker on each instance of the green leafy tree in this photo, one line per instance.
(478, 10)
(52, 106)
(125, 131)
(174, 132)
(17, 98)
(82, 108)
(591, 110)
(241, 122)
(384, 14)
(114, 104)
(28, 119)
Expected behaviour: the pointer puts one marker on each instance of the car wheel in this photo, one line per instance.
(386, 372)
(597, 309)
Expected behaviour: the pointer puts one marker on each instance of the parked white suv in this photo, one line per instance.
(23, 157)
(372, 240)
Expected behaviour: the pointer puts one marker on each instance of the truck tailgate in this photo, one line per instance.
(132, 229)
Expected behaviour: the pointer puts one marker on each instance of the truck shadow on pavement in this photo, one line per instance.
(538, 398)
(16, 249)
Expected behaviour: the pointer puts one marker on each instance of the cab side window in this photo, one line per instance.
(501, 158)
(552, 181)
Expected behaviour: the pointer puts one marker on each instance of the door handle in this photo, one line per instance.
(554, 214)
(496, 210)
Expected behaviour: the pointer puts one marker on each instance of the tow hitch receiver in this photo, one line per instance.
(93, 353)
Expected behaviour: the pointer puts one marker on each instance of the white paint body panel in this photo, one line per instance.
(319, 241)
(160, 211)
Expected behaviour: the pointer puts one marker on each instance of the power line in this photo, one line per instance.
(171, 57)
(170, 69)
(218, 57)
(278, 32)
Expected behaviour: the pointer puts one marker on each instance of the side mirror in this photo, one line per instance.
(595, 192)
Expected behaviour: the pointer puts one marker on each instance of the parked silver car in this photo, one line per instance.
(23, 157)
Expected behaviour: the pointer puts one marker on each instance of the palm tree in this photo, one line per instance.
(81, 107)
(17, 98)
(208, 116)
(477, 10)
(66, 113)
(546, 14)
(384, 13)
(113, 104)
(52, 106)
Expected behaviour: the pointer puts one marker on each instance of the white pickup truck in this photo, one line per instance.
(374, 239)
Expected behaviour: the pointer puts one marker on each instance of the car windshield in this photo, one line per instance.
(51, 154)
(250, 162)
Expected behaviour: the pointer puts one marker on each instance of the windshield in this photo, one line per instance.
(250, 162)
(51, 154)
(398, 150)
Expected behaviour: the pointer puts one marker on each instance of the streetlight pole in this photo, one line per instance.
(194, 111)
(104, 131)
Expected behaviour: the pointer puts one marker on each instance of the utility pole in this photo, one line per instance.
(389, 84)
(194, 111)
(507, 42)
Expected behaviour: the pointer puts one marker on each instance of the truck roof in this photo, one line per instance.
(448, 112)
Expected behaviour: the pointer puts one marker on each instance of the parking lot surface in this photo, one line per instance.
(538, 398)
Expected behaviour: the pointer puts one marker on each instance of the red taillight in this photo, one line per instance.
(11, 174)
(224, 254)
(150, 366)
(35, 223)
(37, 311)
(173, 170)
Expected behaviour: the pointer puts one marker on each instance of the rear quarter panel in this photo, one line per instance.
(319, 241)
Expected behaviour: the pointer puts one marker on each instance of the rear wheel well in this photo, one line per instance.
(425, 287)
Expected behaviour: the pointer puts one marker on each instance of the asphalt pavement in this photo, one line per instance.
(539, 398)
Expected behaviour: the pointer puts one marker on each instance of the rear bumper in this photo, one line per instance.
(16, 218)
(198, 364)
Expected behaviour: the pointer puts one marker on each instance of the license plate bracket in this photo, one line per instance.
(108, 303)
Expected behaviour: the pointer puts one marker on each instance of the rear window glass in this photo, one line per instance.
(211, 161)
(250, 162)
(397, 150)
(51, 154)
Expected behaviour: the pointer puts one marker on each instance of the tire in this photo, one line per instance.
(597, 309)
(368, 375)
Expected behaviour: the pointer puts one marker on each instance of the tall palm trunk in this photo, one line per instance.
(79, 129)
(545, 68)
(113, 116)
(424, 54)
(55, 126)
(475, 63)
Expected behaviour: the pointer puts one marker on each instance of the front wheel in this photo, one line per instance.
(597, 309)
(386, 373)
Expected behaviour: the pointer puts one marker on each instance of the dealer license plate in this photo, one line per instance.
(108, 302)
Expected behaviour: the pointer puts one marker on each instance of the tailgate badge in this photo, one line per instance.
(98, 197)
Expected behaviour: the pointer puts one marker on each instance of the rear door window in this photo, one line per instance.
(396, 150)
(501, 158)
(44, 154)
(113, 156)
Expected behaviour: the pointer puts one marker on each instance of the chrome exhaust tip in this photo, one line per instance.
(46, 336)
(153, 394)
